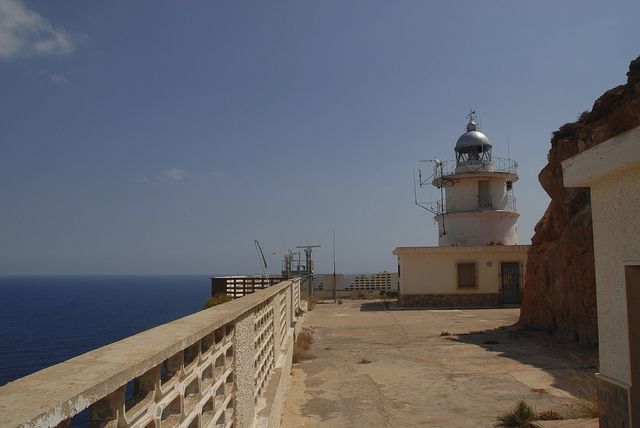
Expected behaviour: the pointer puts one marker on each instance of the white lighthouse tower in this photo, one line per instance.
(478, 205)
(478, 261)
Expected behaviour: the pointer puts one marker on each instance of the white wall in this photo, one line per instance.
(436, 272)
(615, 202)
(463, 195)
(478, 228)
(499, 194)
(612, 170)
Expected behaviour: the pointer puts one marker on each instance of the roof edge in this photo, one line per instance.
(463, 249)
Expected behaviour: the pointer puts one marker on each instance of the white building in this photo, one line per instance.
(478, 261)
(612, 171)
(348, 285)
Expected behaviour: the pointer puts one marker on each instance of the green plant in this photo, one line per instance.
(520, 416)
(584, 116)
(565, 131)
(216, 300)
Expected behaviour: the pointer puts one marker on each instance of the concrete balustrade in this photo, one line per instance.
(223, 366)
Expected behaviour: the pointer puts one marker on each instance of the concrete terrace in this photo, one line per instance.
(418, 377)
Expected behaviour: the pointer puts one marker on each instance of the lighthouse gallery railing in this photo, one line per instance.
(500, 165)
(468, 204)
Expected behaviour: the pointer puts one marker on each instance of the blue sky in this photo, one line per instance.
(155, 137)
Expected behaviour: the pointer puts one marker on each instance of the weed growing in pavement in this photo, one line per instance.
(522, 415)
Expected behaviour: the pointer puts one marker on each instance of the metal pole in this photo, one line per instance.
(335, 284)
(442, 208)
(307, 255)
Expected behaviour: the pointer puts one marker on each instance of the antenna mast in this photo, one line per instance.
(335, 284)
(309, 264)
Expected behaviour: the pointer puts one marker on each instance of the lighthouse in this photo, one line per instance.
(477, 262)
(478, 205)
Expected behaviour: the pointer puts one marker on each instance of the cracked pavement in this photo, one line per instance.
(419, 375)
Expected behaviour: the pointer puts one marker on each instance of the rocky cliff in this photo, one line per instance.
(559, 292)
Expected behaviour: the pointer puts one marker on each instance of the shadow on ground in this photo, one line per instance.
(377, 305)
(571, 364)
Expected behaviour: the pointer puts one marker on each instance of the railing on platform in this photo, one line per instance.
(502, 165)
(465, 204)
(209, 369)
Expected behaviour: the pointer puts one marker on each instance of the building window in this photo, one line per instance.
(467, 275)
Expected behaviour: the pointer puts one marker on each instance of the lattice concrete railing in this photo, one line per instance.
(210, 369)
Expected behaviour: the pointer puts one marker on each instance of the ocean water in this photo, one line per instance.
(45, 320)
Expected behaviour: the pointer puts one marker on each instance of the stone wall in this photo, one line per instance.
(614, 401)
(559, 292)
(452, 300)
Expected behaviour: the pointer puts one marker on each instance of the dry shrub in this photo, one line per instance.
(549, 415)
(586, 408)
(587, 405)
(302, 345)
(216, 300)
(311, 300)
(364, 361)
(305, 338)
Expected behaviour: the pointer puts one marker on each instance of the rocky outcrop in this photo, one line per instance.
(559, 292)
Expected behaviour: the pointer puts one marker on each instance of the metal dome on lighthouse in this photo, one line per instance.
(477, 204)
(472, 148)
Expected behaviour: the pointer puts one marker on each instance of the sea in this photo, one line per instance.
(45, 320)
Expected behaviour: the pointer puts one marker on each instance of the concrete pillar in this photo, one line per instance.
(290, 310)
(277, 332)
(244, 371)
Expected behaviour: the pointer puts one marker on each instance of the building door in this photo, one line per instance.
(632, 277)
(510, 283)
(484, 194)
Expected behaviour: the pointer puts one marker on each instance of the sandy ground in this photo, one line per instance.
(372, 366)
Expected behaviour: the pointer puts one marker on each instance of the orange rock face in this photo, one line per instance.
(560, 290)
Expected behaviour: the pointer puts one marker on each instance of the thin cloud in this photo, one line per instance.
(59, 80)
(176, 173)
(25, 32)
(217, 173)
